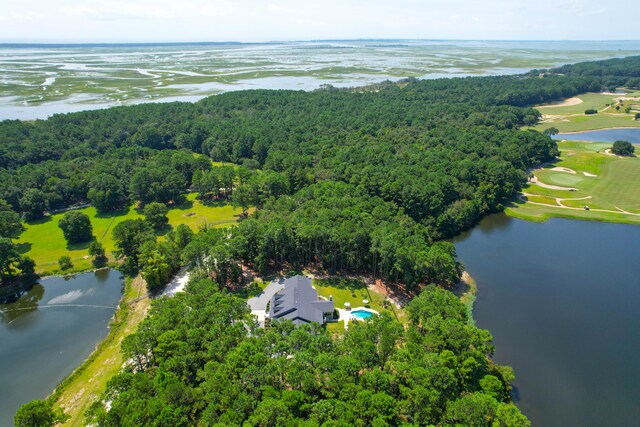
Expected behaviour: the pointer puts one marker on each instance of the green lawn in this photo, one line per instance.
(354, 291)
(571, 118)
(594, 100)
(621, 184)
(335, 328)
(541, 214)
(542, 199)
(43, 240)
(562, 179)
(614, 187)
(593, 122)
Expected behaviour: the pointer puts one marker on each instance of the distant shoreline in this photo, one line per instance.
(250, 42)
(576, 132)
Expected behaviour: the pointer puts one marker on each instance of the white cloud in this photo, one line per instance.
(144, 10)
(20, 16)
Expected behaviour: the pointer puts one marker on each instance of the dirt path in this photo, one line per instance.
(537, 182)
(534, 179)
(396, 294)
(559, 200)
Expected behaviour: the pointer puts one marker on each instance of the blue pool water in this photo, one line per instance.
(362, 314)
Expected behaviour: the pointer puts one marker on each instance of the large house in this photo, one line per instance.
(299, 302)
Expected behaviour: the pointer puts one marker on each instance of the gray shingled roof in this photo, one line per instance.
(298, 302)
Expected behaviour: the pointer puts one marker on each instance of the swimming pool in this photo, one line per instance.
(362, 314)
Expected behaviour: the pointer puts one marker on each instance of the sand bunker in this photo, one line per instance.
(589, 174)
(536, 181)
(561, 169)
(566, 103)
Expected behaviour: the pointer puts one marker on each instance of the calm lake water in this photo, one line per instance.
(604, 135)
(49, 331)
(561, 300)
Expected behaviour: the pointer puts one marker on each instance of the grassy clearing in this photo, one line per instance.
(468, 297)
(43, 240)
(196, 214)
(614, 188)
(570, 118)
(86, 383)
(354, 291)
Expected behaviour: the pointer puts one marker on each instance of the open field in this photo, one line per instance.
(43, 240)
(571, 117)
(607, 184)
(81, 388)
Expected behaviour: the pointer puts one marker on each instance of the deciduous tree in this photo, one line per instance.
(156, 214)
(76, 227)
(623, 148)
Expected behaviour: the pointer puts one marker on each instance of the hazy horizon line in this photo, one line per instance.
(283, 41)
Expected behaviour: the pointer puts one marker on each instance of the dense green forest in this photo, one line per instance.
(199, 359)
(365, 180)
(435, 156)
(614, 73)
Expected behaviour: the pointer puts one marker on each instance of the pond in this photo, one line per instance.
(604, 135)
(49, 331)
(561, 300)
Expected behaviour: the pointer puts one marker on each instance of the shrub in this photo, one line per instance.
(591, 111)
(97, 252)
(65, 262)
(623, 148)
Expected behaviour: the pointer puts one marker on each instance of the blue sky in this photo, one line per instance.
(264, 20)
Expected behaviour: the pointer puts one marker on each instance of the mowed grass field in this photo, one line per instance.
(43, 240)
(621, 184)
(571, 118)
(343, 290)
(611, 194)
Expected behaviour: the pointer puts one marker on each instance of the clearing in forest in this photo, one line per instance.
(43, 240)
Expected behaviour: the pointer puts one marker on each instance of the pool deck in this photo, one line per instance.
(347, 315)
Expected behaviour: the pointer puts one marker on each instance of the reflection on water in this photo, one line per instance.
(560, 299)
(27, 303)
(48, 331)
